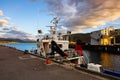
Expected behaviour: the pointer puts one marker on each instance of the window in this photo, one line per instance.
(117, 39)
(112, 41)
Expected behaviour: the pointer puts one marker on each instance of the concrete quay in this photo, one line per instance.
(14, 65)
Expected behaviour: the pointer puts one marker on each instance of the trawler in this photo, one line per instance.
(55, 46)
(44, 44)
(60, 47)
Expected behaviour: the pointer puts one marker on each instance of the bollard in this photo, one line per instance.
(48, 61)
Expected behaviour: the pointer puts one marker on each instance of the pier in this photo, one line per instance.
(14, 65)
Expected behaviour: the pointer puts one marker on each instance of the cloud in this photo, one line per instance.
(62, 29)
(17, 34)
(15, 28)
(79, 15)
(3, 23)
(1, 13)
(7, 18)
(117, 21)
(8, 31)
(2, 31)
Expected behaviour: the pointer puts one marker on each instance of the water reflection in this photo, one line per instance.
(116, 62)
(108, 60)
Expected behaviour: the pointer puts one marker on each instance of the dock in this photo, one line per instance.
(14, 65)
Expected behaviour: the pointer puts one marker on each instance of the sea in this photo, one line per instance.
(23, 46)
(109, 61)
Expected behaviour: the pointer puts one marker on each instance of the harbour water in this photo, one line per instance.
(109, 61)
(23, 46)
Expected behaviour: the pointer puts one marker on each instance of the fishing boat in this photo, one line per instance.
(56, 47)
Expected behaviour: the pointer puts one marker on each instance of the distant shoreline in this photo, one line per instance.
(14, 42)
(9, 42)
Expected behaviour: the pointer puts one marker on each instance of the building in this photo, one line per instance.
(107, 36)
(95, 37)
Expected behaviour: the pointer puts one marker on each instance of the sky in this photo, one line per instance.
(22, 18)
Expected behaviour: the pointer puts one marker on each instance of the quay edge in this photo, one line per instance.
(98, 73)
(34, 68)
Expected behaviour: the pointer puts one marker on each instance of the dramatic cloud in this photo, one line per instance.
(79, 15)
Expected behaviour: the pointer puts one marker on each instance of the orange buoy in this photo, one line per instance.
(48, 61)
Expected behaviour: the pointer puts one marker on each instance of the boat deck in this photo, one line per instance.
(14, 65)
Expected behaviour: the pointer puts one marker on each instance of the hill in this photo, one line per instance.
(84, 37)
(73, 37)
(8, 40)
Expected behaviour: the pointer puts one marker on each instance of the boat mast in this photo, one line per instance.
(53, 29)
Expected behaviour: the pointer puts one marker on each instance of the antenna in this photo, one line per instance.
(55, 20)
(53, 29)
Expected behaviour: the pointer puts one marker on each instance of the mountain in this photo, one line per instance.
(16, 40)
(85, 38)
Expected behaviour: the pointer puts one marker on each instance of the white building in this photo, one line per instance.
(103, 37)
(95, 37)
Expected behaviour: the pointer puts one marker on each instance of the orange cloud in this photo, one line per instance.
(84, 14)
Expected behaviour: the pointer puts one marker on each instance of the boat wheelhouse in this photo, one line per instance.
(44, 44)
